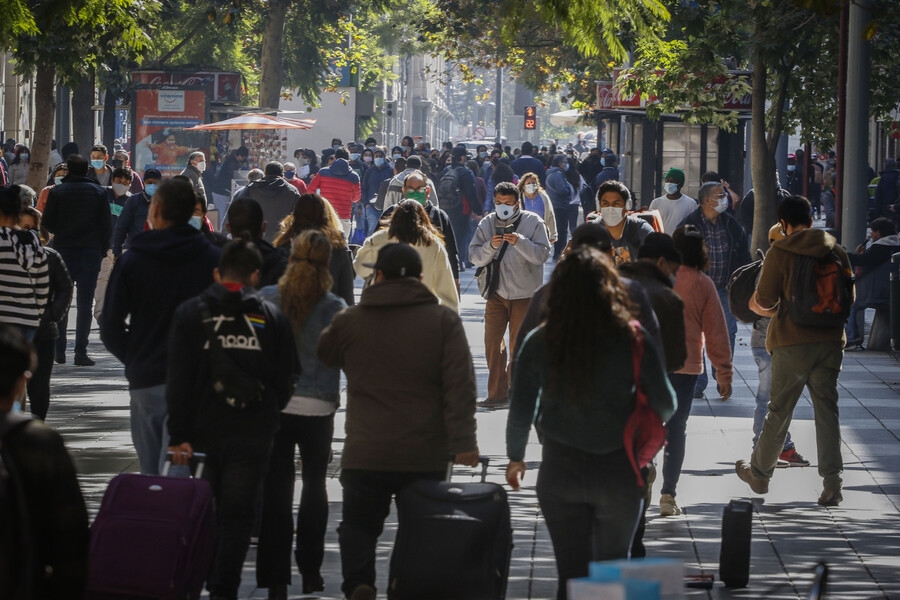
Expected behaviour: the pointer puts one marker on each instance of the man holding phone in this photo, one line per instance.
(519, 239)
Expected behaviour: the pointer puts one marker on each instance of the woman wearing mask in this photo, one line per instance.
(560, 191)
(200, 221)
(56, 177)
(704, 328)
(307, 422)
(18, 168)
(312, 211)
(307, 165)
(536, 200)
(628, 231)
(410, 224)
(408, 146)
(60, 296)
(586, 487)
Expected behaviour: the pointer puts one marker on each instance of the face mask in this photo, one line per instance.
(371, 147)
(304, 162)
(379, 161)
(396, 156)
(354, 156)
(722, 204)
(289, 174)
(565, 166)
(24, 156)
(482, 154)
(119, 189)
(417, 195)
(97, 164)
(196, 222)
(672, 280)
(336, 147)
(367, 159)
(671, 187)
(150, 189)
(531, 188)
(612, 215)
(201, 166)
(57, 180)
(506, 212)
(602, 162)
(790, 168)
(495, 160)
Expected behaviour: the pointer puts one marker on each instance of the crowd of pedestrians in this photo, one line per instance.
(233, 337)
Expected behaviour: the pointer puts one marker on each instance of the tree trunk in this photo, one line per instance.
(45, 105)
(271, 67)
(83, 98)
(109, 120)
(762, 162)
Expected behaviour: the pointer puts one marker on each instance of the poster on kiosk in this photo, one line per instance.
(161, 113)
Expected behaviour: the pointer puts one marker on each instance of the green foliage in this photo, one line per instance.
(15, 20)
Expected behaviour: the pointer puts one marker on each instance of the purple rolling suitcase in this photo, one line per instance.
(154, 537)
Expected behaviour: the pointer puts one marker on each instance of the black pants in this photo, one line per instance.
(367, 502)
(312, 435)
(84, 267)
(39, 384)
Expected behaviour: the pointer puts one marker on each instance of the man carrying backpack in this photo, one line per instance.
(458, 183)
(805, 341)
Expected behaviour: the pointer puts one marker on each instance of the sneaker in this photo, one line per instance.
(791, 458)
(831, 497)
(667, 506)
(495, 404)
(363, 592)
(83, 360)
(745, 473)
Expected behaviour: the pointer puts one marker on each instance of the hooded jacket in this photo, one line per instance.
(873, 279)
(704, 325)
(411, 404)
(130, 222)
(277, 198)
(558, 187)
(77, 213)
(775, 285)
(161, 269)
(372, 178)
(338, 184)
(24, 278)
(257, 337)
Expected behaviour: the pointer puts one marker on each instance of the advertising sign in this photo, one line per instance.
(161, 113)
(223, 86)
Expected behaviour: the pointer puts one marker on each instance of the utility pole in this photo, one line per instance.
(856, 132)
(498, 112)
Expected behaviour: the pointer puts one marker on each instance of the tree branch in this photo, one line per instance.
(182, 43)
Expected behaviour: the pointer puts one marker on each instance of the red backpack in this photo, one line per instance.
(645, 432)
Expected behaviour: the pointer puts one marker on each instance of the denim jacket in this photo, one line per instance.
(316, 380)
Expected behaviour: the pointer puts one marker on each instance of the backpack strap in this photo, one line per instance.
(218, 360)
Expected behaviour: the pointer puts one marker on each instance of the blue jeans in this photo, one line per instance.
(855, 323)
(731, 324)
(764, 364)
(148, 427)
(235, 468)
(460, 224)
(676, 430)
(566, 222)
(84, 267)
(373, 215)
(592, 505)
(366, 504)
(313, 436)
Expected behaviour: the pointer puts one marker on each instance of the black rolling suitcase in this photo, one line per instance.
(734, 557)
(454, 541)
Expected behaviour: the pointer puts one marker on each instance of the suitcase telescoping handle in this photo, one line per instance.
(198, 470)
(484, 460)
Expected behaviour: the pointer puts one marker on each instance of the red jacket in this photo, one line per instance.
(338, 184)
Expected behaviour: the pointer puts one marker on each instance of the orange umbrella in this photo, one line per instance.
(255, 121)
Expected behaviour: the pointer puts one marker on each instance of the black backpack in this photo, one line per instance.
(821, 291)
(741, 288)
(448, 189)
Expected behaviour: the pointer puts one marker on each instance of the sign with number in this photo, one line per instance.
(530, 117)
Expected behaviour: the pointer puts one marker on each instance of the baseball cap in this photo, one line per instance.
(592, 233)
(659, 245)
(397, 260)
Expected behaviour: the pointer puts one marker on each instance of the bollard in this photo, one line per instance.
(895, 303)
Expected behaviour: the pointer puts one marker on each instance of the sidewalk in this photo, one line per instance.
(860, 540)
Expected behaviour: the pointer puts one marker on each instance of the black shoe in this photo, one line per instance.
(313, 583)
(60, 357)
(83, 360)
(278, 592)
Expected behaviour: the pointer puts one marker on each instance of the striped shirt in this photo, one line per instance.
(24, 278)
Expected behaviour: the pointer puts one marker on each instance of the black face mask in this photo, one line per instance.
(495, 160)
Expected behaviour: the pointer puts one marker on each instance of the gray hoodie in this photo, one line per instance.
(522, 267)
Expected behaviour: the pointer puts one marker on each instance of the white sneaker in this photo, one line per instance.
(667, 506)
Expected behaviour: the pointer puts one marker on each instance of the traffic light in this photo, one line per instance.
(530, 117)
(389, 109)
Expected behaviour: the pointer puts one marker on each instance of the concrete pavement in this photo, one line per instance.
(860, 540)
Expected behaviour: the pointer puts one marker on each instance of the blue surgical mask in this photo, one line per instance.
(482, 154)
(671, 187)
(57, 180)
(396, 156)
(150, 189)
(97, 164)
(289, 174)
(336, 147)
(379, 161)
(371, 146)
(196, 222)
(790, 168)
(602, 162)
(354, 156)
(24, 156)
(565, 166)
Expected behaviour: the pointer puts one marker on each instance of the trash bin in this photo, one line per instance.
(895, 303)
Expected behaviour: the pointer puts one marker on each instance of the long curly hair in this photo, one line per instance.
(410, 224)
(307, 277)
(311, 211)
(587, 305)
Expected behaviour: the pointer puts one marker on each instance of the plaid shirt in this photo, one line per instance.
(716, 237)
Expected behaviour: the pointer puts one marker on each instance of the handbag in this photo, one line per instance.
(645, 432)
(488, 276)
(231, 383)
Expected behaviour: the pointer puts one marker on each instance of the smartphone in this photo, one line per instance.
(499, 230)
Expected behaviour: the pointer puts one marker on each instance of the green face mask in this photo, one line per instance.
(417, 195)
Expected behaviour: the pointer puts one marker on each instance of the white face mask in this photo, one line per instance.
(506, 212)
(119, 189)
(671, 187)
(722, 204)
(612, 215)
(531, 188)
(201, 166)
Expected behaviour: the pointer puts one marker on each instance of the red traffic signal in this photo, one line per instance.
(530, 117)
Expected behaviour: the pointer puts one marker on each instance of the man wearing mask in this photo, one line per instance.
(522, 238)
(674, 206)
(117, 195)
(276, 196)
(371, 181)
(290, 175)
(560, 191)
(221, 189)
(194, 171)
(133, 218)
(456, 192)
(728, 247)
(122, 159)
(99, 171)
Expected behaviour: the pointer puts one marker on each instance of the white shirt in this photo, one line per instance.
(673, 212)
